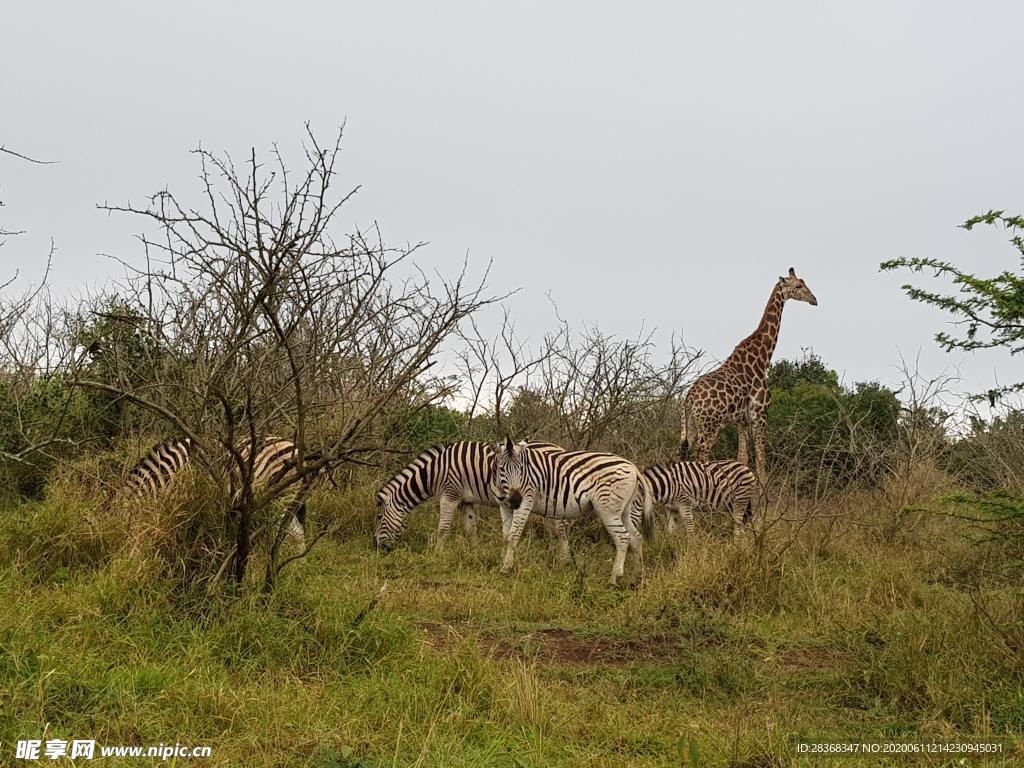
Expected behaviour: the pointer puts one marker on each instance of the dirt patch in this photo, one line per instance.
(559, 646)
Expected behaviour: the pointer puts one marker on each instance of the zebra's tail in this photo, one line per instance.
(644, 494)
(749, 511)
(688, 432)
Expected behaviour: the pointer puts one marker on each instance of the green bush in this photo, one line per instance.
(820, 431)
(420, 428)
(44, 412)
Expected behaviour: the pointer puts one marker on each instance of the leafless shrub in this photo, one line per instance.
(10, 153)
(583, 390)
(248, 320)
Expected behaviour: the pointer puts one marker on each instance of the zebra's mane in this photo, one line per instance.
(403, 478)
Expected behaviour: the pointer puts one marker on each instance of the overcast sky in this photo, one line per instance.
(650, 165)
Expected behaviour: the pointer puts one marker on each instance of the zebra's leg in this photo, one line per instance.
(299, 524)
(506, 521)
(736, 510)
(469, 521)
(296, 530)
(636, 541)
(612, 519)
(558, 531)
(444, 522)
(671, 519)
(519, 518)
(742, 516)
(686, 511)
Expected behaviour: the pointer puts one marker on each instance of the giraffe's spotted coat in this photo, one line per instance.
(737, 391)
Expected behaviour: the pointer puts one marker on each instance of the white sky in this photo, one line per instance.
(649, 164)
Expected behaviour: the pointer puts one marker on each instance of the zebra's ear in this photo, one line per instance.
(510, 449)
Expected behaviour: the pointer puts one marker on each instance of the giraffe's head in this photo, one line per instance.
(795, 288)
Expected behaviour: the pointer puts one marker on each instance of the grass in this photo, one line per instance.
(715, 660)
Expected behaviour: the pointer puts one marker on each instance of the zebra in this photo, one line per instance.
(458, 475)
(156, 471)
(271, 464)
(569, 484)
(681, 485)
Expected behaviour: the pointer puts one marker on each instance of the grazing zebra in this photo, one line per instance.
(681, 485)
(570, 484)
(156, 471)
(458, 475)
(271, 464)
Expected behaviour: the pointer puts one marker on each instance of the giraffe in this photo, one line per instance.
(736, 392)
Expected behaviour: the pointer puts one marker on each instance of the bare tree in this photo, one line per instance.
(11, 153)
(613, 394)
(256, 322)
(582, 390)
(492, 370)
(34, 351)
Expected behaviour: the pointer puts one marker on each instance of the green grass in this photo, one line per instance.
(714, 659)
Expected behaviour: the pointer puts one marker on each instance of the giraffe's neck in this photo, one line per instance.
(757, 349)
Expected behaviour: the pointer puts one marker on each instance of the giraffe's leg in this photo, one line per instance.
(758, 416)
(741, 442)
(708, 435)
(469, 521)
(758, 428)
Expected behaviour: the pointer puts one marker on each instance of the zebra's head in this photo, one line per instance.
(510, 472)
(795, 288)
(391, 518)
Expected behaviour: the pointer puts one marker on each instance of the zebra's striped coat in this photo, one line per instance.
(458, 475)
(720, 485)
(157, 470)
(568, 484)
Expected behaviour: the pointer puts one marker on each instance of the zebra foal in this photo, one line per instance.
(681, 485)
(565, 485)
(458, 475)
